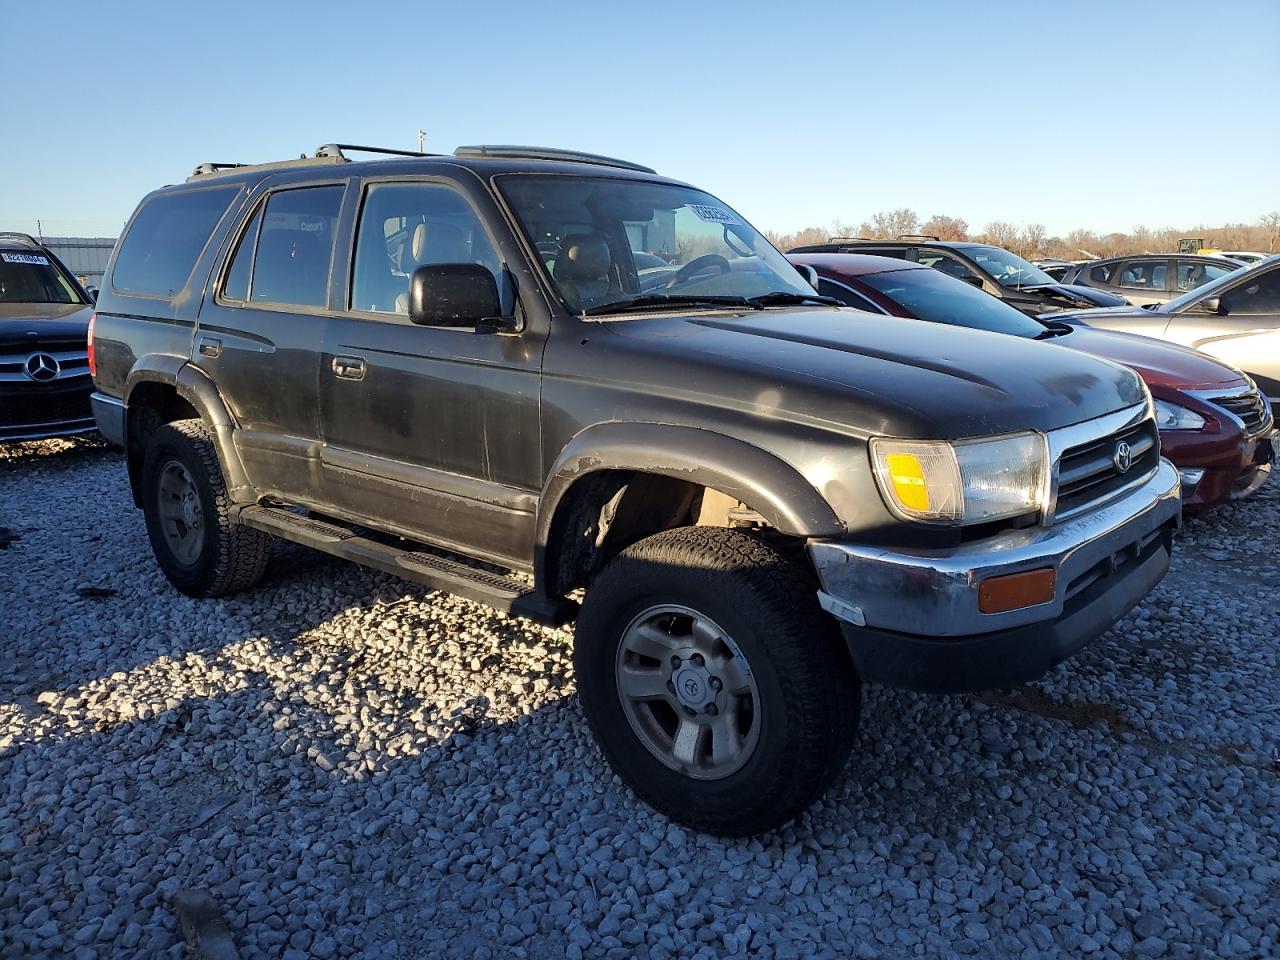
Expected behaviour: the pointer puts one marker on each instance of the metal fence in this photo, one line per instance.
(86, 257)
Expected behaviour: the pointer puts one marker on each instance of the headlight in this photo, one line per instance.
(1170, 416)
(968, 481)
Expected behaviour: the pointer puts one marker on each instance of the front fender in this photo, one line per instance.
(767, 484)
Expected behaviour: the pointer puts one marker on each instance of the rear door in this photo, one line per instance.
(260, 334)
(429, 431)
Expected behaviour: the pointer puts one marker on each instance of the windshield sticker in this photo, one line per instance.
(713, 214)
(32, 258)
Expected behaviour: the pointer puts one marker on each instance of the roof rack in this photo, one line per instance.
(846, 239)
(512, 152)
(336, 150)
(916, 236)
(11, 235)
(205, 170)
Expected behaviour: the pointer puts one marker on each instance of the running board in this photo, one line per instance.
(431, 570)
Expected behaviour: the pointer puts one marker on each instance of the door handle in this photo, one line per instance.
(349, 368)
(210, 347)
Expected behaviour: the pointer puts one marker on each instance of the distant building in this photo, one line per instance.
(86, 257)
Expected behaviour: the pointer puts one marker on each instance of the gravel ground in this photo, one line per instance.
(359, 768)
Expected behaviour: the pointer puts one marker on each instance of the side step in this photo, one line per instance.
(431, 570)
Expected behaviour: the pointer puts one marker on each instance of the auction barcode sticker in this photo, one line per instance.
(32, 258)
(712, 214)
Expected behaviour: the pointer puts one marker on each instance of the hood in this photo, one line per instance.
(41, 324)
(1159, 363)
(1066, 296)
(1082, 317)
(887, 375)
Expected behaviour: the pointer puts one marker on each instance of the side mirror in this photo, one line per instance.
(1211, 305)
(973, 280)
(93, 294)
(455, 295)
(808, 273)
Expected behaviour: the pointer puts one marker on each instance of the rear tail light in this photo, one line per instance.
(93, 363)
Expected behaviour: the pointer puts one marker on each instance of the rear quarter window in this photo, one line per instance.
(164, 241)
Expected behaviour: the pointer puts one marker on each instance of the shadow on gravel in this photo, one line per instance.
(320, 789)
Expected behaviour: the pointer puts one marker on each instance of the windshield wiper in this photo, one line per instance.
(648, 301)
(779, 297)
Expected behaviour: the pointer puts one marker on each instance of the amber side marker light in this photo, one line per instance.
(1015, 590)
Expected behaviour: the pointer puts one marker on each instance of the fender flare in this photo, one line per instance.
(195, 387)
(770, 485)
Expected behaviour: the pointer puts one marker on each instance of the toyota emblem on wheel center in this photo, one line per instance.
(1123, 457)
(41, 367)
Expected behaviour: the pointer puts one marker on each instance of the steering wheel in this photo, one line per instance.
(696, 266)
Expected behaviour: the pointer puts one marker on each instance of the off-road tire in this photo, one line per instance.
(809, 692)
(232, 557)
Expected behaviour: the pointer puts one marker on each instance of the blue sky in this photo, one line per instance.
(1085, 114)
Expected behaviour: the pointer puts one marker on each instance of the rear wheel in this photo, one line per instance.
(188, 513)
(715, 685)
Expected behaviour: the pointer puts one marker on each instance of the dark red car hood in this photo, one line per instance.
(1160, 364)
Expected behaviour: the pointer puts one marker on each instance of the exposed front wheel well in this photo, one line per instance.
(151, 405)
(605, 512)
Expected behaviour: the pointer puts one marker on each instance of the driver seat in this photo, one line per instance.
(432, 244)
(584, 268)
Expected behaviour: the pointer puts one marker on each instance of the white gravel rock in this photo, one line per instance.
(356, 767)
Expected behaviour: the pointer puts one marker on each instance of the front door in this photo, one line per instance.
(1143, 281)
(259, 335)
(431, 432)
(1246, 331)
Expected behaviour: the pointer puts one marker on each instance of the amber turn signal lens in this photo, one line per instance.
(1016, 590)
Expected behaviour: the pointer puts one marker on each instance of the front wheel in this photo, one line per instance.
(715, 685)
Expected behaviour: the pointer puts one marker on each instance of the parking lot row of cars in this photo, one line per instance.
(572, 389)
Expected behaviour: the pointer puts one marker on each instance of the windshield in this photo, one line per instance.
(31, 278)
(1204, 290)
(930, 295)
(607, 242)
(1008, 269)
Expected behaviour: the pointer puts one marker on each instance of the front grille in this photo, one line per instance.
(1252, 409)
(71, 363)
(35, 410)
(1088, 474)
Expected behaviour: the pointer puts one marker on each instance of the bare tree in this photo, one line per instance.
(1000, 233)
(1270, 223)
(1032, 240)
(946, 228)
(890, 224)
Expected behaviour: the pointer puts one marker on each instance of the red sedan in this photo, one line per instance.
(1215, 425)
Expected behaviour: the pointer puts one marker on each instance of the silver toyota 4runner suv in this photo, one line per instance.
(567, 387)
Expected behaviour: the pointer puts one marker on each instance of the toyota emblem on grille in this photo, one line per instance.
(1123, 457)
(41, 367)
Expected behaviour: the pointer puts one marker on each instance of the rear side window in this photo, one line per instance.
(294, 248)
(1192, 274)
(165, 239)
(1103, 273)
(236, 286)
(1143, 275)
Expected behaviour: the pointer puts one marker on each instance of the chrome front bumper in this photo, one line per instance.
(934, 593)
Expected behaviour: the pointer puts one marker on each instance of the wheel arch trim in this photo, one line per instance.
(771, 486)
(196, 388)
